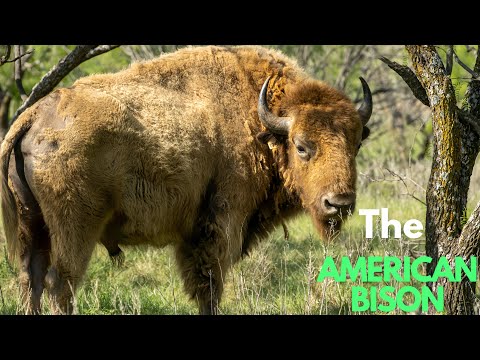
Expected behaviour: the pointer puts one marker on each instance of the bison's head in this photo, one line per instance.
(321, 132)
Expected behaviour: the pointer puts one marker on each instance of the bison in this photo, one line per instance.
(206, 149)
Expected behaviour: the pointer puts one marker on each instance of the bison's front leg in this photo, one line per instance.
(203, 264)
(215, 244)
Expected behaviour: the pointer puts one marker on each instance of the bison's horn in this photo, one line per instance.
(365, 110)
(274, 124)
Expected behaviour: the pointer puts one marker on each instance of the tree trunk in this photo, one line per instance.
(5, 100)
(455, 148)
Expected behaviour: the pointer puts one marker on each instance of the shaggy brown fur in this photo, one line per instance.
(170, 151)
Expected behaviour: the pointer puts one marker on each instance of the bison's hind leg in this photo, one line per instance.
(34, 258)
(39, 262)
(72, 246)
(76, 227)
(33, 239)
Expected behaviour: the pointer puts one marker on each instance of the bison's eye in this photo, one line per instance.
(305, 149)
(302, 152)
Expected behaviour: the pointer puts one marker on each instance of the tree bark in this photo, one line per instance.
(455, 149)
(456, 140)
(5, 100)
(18, 51)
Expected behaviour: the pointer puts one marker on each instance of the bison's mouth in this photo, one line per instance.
(328, 226)
(330, 210)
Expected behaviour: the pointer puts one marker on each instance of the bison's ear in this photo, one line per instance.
(266, 137)
(365, 132)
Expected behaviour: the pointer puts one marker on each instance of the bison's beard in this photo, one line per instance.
(328, 227)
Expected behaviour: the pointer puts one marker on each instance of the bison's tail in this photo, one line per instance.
(9, 205)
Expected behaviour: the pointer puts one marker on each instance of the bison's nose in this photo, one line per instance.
(334, 204)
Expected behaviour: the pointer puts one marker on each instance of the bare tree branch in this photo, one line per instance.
(17, 49)
(25, 55)
(473, 90)
(374, 92)
(414, 84)
(476, 68)
(449, 64)
(467, 246)
(470, 232)
(352, 56)
(472, 95)
(474, 74)
(5, 57)
(410, 79)
(5, 100)
(469, 48)
(100, 49)
(402, 179)
(468, 119)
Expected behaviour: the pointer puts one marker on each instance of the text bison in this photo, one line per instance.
(207, 149)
